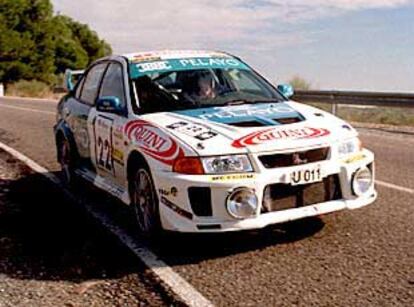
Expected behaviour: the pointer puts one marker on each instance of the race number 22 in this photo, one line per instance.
(103, 139)
(104, 154)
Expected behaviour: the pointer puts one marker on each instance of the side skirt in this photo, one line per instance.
(104, 184)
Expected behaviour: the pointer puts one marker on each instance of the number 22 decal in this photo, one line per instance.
(105, 154)
(103, 137)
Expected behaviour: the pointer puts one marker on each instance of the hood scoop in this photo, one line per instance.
(249, 124)
(264, 123)
(289, 120)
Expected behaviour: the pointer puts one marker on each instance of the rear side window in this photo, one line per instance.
(91, 83)
(112, 84)
(79, 88)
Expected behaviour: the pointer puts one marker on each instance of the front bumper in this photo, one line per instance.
(177, 215)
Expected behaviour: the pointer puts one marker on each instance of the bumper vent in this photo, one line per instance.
(285, 196)
(295, 158)
(200, 200)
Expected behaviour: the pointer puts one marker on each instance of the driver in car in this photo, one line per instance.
(201, 85)
(207, 87)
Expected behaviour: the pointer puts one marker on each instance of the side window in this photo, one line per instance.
(91, 83)
(112, 84)
(151, 97)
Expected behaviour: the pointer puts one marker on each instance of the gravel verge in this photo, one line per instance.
(53, 254)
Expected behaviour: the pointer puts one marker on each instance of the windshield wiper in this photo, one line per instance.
(235, 102)
(245, 101)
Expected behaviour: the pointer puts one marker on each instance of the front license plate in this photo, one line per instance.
(306, 175)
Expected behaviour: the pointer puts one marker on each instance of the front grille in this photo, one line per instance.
(294, 158)
(200, 200)
(282, 196)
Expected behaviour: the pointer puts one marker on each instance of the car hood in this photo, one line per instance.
(253, 127)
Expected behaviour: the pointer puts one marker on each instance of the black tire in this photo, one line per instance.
(144, 201)
(67, 162)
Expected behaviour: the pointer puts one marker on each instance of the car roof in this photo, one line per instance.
(173, 54)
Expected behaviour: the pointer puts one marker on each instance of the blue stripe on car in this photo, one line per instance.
(160, 66)
(264, 113)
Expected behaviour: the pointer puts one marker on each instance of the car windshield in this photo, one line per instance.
(199, 83)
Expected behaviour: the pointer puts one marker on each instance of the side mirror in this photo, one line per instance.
(286, 90)
(109, 104)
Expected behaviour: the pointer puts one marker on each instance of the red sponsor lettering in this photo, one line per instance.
(273, 134)
(153, 142)
(149, 138)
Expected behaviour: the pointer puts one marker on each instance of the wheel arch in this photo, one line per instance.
(62, 131)
(135, 159)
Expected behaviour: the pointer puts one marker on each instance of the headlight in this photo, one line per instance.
(349, 147)
(242, 203)
(226, 164)
(362, 181)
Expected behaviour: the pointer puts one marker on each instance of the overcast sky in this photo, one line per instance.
(342, 44)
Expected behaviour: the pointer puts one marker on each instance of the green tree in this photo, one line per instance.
(26, 42)
(34, 44)
(76, 44)
(69, 53)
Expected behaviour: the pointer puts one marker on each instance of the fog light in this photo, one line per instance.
(242, 203)
(362, 181)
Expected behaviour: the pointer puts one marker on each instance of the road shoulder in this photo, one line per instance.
(52, 254)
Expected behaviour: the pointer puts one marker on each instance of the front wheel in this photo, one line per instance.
(145, 202)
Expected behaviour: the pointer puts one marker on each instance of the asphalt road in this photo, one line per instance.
(54, 254)
(363, 257)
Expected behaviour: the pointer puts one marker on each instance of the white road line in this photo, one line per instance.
(27, 109)
(394, 186)
(28, 99)
(186, 292)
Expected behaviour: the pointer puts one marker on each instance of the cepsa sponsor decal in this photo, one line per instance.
(232, 177)
(355, 158)
(145, 57)
(153, 142)
(268, 135)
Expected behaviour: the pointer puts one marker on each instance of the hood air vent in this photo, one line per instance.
(252, 123)
(288, 120)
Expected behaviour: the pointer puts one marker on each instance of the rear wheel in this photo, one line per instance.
(145, 203)
(67, 161)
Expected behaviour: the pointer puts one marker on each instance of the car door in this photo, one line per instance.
(77, 109)
(106, 128)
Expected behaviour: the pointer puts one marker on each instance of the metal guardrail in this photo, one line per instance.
(335, 98)
(401, 100)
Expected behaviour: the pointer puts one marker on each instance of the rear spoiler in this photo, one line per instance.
(71, 78)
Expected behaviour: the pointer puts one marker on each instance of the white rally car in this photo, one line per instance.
(197, 141)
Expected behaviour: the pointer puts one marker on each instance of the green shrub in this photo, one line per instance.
(300, 83)
(32, 88)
